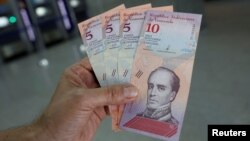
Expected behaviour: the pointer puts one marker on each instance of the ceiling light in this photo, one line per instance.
(74, 3)
(4, 21)
(41, 11)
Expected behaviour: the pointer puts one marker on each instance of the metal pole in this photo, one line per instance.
(23, 35)
(43, 61)
(59, 17)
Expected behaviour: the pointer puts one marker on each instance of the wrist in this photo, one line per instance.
(31, 132)
(36, 132)
(41, 130)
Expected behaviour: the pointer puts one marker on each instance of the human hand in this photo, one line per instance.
(78, 105)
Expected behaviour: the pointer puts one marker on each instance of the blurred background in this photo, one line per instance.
(39, 39)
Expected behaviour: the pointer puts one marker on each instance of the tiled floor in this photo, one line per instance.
(219, 91)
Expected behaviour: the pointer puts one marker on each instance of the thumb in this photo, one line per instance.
(112, 95)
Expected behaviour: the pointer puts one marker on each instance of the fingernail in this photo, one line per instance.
(117, 130)
(130, 92)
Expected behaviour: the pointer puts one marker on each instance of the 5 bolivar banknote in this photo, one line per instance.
(153, 49)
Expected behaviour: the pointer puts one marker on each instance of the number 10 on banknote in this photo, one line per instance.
(162, 71)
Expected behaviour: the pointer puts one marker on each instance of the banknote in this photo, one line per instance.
(92, 35)
(162, 71)
(130, 29)
(110, 25)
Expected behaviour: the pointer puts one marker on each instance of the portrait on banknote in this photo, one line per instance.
(163, 85)
(155, 115)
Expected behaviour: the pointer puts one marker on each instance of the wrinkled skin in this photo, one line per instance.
(79, 105)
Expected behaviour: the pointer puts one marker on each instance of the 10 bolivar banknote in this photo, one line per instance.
(162, 71)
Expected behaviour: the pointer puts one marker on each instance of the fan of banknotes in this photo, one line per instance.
(152, 48)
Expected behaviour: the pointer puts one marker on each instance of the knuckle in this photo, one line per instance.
(83, 99)
(113, 93)
(67, 71)
(109, 94)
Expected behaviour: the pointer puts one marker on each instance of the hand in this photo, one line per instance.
(78, 105)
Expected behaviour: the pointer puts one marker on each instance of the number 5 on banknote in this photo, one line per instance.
(162, 71)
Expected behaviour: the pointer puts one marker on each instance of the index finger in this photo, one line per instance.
(85, 71)
(85, 63)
